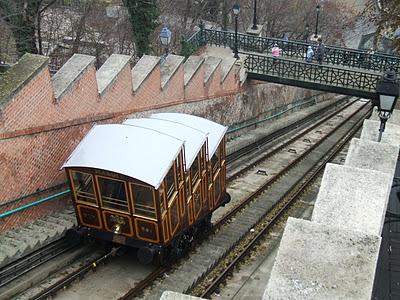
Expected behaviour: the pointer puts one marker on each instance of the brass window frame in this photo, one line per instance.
(167, 189)
(126, 194)
(71, 178)
(133, 201)
(176, 202)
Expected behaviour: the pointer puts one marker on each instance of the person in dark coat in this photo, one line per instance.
(320, 52)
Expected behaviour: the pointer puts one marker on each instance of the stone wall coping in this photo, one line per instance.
(372, 155)
(169, 295)
(226, 66)
(351, 198)
(110, 70)
(211, 63)
(191, 66)
(169, 68)
(19, 75)
(316, 261)
(70, 73)
(142, 69)
(391, 135)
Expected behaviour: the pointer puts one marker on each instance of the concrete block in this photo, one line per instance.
(210, 65)
(315, 261)
(142, 69)
(191, 66)
(352, 199)
(71, 72)
(365, 154)
(226, 66)
(110, 70)
(391, 135)
(169, 67)
(19, 75)
(168, 295)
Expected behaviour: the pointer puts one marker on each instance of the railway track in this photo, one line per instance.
(210, 285)
(153, 275)
(14, 270)
(231, 229)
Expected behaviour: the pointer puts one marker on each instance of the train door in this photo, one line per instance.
(195, 172)
(171, 180)
(145, 212)
(115, 207)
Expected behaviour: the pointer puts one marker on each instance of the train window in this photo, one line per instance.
(203, 159)
(188, 188)
(215, 161)
(161, 192)
(195, 170)
(178, 168)
(83, 186)
(143, 201)
(170, 181)
(113, 194)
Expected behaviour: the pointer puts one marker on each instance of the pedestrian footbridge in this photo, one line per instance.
(344, 71)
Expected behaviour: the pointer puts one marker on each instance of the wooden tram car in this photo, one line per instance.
(149, 183)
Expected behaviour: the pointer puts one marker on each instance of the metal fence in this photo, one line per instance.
(298, 70)
(294, 49)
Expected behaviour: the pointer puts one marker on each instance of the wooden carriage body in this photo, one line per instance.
(145, 181)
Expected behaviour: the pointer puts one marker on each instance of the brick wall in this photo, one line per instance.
(38, 132)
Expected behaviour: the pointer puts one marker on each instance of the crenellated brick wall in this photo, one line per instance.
(42, 119)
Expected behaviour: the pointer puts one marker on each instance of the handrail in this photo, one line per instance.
(299, 70)
(18, 209)
(295, 49)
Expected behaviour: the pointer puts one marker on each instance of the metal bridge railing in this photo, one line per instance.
(297, 50)
(327, 75)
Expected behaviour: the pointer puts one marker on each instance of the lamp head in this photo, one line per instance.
(318, 7)
(236, 9)
(387, 90)
(165, 36)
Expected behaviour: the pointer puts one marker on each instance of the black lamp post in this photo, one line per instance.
(165, 38)
(236, 11)
(307, 32)
(255, 16)
(387, 90)
(316, 24)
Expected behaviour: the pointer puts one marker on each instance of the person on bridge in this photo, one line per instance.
(320, 51)
(310, 54)
(276, 51)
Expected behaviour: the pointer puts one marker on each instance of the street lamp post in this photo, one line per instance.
(255, 27)
(307, 32)
(387, 90)
(236, 11)
(316, 24)
(165, 38)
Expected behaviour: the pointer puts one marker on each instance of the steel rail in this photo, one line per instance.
(280, 132)
(19, 267)
(142, 284)
(268, 138)
(138, 289)
(51, 290)
(318, 167)
(256, 193)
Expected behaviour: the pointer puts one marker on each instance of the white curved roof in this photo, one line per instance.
(215, 131)
(137, 152)
(193, 138)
